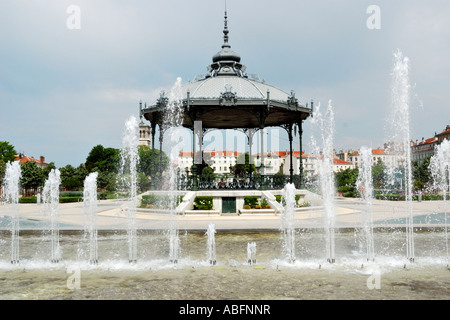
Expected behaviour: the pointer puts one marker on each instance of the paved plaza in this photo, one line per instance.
(112, 214)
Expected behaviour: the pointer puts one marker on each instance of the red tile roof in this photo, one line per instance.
(23, 159)
(342, 162)
(186, 154)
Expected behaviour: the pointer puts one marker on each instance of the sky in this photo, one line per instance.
(72, 72)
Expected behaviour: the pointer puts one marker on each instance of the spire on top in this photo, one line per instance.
(226, 61)
(225, 30)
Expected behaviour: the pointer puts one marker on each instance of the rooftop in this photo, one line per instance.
(227, 98)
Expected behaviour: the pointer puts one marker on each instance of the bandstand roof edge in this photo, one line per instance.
(226, 98)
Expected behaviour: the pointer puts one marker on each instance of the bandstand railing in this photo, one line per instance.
(231, 182)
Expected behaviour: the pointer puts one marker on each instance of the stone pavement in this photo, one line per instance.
(112, 215)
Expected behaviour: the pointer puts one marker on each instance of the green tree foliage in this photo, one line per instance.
(7, 152)
(32, 175)
(346, 181)
(378, 175)
(243, 166)
(147, 163)
(73, 178)
(46, 170)
(143, 181)
(2, 170)
(103, 159)
(421, 173)
(347, 177)
(107, 180)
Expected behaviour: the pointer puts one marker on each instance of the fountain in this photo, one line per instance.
(251, 252)
(440, 170)
(129, 162)
(282, 271)
(11, 194)
(90, 211)
(288, 221)
(173, 119)
(324, 149)
(399, 132)
(51, 202)
(211, 243)
(364, 184)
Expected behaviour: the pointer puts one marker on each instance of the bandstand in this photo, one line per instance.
(227, 98)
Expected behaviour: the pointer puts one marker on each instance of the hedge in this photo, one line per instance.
(158, 201)
(71, 194)
(203, 203)
(415, 197)
(70, 199)
(281, 200)
(33, 199)
(251, 201)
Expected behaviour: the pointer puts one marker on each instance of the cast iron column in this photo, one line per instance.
(152, 170)
(300, 133)
(161, 138)
(291, 165)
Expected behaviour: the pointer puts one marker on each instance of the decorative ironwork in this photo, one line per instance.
(249, 112)
(230, 182)
(162, 101)
(292, 100)
(228, 98)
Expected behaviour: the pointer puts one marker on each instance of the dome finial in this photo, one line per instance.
(225, 29)
(226, 61)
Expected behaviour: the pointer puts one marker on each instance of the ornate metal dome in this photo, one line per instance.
(227, 98)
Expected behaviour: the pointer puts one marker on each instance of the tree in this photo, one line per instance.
(47, 169)
(146, 164)
(421, 172)
(346, 178)
(7, 152)
(346, 181)
(32, 176)
(2, 170)
(143, 181)
(103, 159)
(243, 165)
(378, 174)
(107, 180)
(207, 171)
(73, 178)
(81, 172)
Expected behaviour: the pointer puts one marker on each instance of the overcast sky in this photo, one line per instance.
(64, 90)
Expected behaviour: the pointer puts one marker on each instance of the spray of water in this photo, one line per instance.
(11, 193)
(128, 170)
(322, 146)
(90, 211)
(288, 221)
(440, 171)
(50, 197)
(211, 243)
(399, 134)
(365, 186)
(173, 118)
(251, 252)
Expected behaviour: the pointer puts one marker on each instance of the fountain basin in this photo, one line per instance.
(193, 277)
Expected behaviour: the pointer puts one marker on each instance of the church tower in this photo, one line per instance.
(144, 134)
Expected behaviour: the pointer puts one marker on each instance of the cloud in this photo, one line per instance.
(64, 91)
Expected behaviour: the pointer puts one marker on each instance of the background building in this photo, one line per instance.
(40, 163)
(144, 134)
